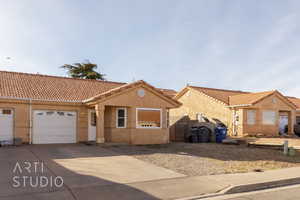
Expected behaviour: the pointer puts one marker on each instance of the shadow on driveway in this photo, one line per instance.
(78, 184)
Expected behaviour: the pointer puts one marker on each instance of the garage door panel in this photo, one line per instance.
(54, 127)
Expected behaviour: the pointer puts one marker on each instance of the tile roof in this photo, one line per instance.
(250, 98)
(219, 94)
(44, 87)
(131, 85)
(52, 88)
(236, 97)
(169, 92)
(295, 101)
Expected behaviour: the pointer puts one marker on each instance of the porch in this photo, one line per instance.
(131, 125)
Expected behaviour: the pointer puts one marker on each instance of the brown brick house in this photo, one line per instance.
(48, 109)
(244, 113)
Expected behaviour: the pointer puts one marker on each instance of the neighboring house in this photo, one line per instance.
(48, 109)
(244, 113)
(296, 101)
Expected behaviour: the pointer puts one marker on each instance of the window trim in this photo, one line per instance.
(153, 109)
(125, 118)
(255, 114)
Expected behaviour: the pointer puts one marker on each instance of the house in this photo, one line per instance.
(296, 101)
(43, 109)
(244, 113)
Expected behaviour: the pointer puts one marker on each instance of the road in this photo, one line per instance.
(283, 193)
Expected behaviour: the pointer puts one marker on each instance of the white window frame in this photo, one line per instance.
(125, 117)
(156, 109)
(275, 117)
(254, 120)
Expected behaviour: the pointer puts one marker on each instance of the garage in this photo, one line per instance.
(6, 124)
(50, 127)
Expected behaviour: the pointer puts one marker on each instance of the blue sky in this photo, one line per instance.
(233, 44)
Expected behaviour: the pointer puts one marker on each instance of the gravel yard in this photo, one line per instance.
(208, 158)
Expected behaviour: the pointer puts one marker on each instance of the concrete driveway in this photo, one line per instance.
(74, 172)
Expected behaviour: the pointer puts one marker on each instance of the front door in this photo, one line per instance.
(92, 125)
(6, 125)
(283, 122)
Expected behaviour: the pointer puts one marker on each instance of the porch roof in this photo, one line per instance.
(253, 98)
(125, 87)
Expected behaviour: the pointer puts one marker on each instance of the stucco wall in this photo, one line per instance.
(130, 134)
(194, 102)
(22, 122)
(268, 104)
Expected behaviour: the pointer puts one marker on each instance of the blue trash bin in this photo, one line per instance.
(221, 133)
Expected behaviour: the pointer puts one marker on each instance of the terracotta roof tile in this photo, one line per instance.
(295, 101)
(130, 85)
(219, 94)
(54, 88)
(44, 87)
(169, 92)
(250, 98)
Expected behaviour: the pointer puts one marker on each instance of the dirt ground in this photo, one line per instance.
(209, 158)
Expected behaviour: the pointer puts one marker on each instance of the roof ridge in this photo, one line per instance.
(251, 93)
(61, 77)
(167, 89)
(224, 90)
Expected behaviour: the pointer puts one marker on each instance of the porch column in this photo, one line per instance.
(100, 123)
(292, 122)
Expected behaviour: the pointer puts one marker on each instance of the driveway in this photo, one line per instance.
(87, 172)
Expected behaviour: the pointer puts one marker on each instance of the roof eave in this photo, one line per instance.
(239, 105)
(109, 93)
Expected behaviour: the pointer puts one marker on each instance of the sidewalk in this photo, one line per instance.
(192, 187)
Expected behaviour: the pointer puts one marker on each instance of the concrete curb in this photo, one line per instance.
(248, 188)
(262, 186)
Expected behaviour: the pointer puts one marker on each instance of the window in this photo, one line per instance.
(148, 118)
(6, 112)
(251, 117)
(121, 117)
(269, 117)
(93, 119)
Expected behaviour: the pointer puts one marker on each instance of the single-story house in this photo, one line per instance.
(244, 113)
(42, 109)
(296, 101)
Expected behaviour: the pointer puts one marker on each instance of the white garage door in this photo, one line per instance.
(6, 124)
(51, 127)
